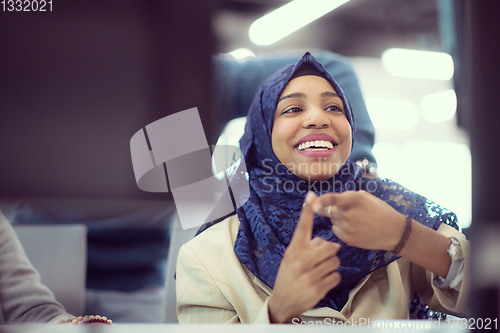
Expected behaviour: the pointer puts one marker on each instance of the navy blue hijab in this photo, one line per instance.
(268, 218)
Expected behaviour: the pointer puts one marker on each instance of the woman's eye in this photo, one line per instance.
(334, 108)
(292, 110)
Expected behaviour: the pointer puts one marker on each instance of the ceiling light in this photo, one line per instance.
(242, 53)
(418, 64)
(440, 106)
(392, 113)
(289, 18)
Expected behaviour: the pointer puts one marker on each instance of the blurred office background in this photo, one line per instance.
(77, 82)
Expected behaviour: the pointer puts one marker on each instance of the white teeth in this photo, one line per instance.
(316, 144)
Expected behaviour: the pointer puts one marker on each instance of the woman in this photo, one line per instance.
(371, 245)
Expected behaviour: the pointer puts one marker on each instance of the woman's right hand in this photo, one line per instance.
(307, 271)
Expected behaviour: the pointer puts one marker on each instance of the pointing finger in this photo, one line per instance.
(304, 227)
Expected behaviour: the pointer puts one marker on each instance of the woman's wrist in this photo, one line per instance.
(277, 312)
(396, 228)
(404, 237)
(428, 249)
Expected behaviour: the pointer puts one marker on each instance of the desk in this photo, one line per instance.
(398, 327)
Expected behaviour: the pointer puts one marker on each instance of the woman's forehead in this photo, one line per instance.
(308, 83)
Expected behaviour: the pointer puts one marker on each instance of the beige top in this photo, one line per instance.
(214, 287)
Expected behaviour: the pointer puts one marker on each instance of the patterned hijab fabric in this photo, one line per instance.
(268, 218)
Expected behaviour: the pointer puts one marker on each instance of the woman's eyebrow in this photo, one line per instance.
(329, 94)
(292, 95)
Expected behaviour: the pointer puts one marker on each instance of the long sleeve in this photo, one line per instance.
(23, 298)
(211, 284)
(444, 299)
(198, 298)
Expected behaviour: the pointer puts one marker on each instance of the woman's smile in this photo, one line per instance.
(316, 145)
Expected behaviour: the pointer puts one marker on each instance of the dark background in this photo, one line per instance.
(76, 84)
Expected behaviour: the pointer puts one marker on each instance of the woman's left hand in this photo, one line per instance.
(361, 219)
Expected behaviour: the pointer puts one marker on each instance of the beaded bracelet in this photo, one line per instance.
(97, 319)
(404, 238)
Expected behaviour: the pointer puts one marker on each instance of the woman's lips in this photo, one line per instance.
(317, 136)
(317, 153)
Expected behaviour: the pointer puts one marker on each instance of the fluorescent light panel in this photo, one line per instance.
(289, 18)
(242, 53)
(440, 106)
(418, 64)
(392, 113)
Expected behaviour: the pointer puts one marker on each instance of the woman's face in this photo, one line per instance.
(311, 135)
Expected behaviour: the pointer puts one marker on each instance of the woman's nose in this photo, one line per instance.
(316, 118)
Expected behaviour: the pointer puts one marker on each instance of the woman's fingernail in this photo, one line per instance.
(310, 195)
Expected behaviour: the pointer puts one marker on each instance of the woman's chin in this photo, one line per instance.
(314, 169)
(314, 177)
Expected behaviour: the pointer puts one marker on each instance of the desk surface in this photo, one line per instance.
(386, 326)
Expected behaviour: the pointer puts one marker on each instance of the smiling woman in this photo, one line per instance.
(358, 248)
